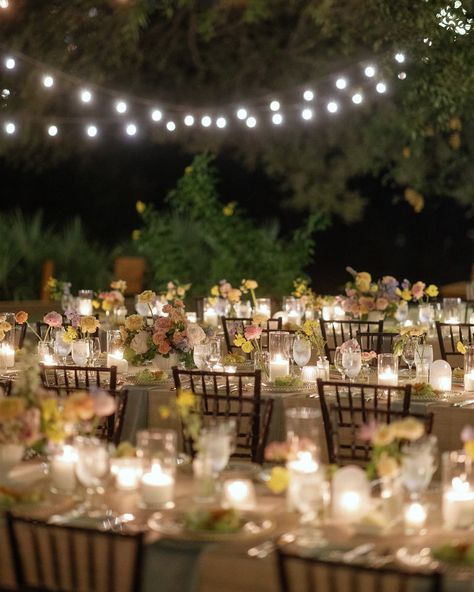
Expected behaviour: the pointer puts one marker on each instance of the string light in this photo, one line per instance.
(242, 113)
(10, 63)
(121, 107)
(400, 57)
(189, 120)
(156, 115)
(206, 121)
(370, 71)
(221, 122)
(48, 81)
(92, 131)
(5, 93)
(332, 107)
(307, 114)
(171, 126)
(357, 98)
(131, 129)
(277, 118)
(341, 83)
(4, 4)
(251, 122)
(308, 95)
(52, 131)
(402, 75)
(10, 128)
(381, 87)
(86, 95)
(275, 105)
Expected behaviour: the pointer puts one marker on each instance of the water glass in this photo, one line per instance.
(214, 352)
(352, 363)
(80, 351)
(92, 465)
(338, 362)
(95, 350)
(408, 353)
(301, 351)
(426, 314)
(61, 348)
(419, 464)
(215, 447)
(201, 355)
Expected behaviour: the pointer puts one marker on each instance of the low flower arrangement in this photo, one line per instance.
(364, 295)
(175, 291)
(311, 331)
(57, 289)
(108, 301)
(224, 296)
(418, 292)
(407, 334)
(249, 339)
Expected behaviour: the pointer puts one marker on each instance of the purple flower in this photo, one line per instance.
(467, 434)
(366, 432)
(73, 317)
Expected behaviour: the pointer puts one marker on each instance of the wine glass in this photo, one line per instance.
(61, 348)
(215, 446)
(408, 354)
(310, 494)
(92, 466)
(352, 364)
(214, 352)
(95, 350)
(201, 355)
(301, 351)
(80, 351)
(338, 362)
(419, 464)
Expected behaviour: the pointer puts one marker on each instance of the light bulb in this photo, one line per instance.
(332, 107)
(402, 75)
(86, 95)
(10, 63)
(274, 105)
(277, 118)
(10, 128)
(156, 115)
(370, 71)
(221, 122)
(121, 106)
(307, 114)
(400, 57)
(251, 121)
(357, 98)
(5, 93)
(381, 87)
(341, 83)
(52, 131)
(242, 113)
(206, 121)
(48, 81)
(131, 129)
(308, 95)
(92, 131)
(4, 3)
(189, 120)
(171, 126)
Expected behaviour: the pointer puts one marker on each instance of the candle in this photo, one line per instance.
(408, 323)
(414, 517)
(458, 504)
(48, 360)
(62, 470)
(294, 317)
(441, 375)
(388, 377)
(127, 474)
(469, 381)
(7, 356)
(264, 309)
(279, 367)
(210, 317)
(115, 358)
(85, 306)
(387, 369)
(339, 313)
(351, 494)
(239, 494)
(192, 317)
(303, 474)
(230, 369)
(157, 487)
(309, 374)
(328, 312)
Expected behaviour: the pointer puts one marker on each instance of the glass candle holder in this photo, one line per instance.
(62, 469)
(387, 369)
(84, 302)
(302, 429)
(46, 353)
(414, 517)
(264, 306)
(309, 374)
(120, 315)
(211, 316)
(239, 494)
(323, 368)
(441, 375)
(157, 450)
(115, 351)
(350, 494)
(127, 472)
(143, 308)
(328, 312)
(279, 349)
(469, 368)
(7, 355)
(458, 490)
(452, 310)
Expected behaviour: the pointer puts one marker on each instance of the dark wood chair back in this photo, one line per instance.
(20, 335)
(347, 406)
(314, 574)
(64, 380)
(6, 386)
(232, 396)
(380, 343)
(449, 335)
(52, 558)
(232, 326)
(469, 310)
(336, 332)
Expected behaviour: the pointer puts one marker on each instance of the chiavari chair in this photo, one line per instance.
(380, 343)
(448, 337)
(233, 326)
(336, 332)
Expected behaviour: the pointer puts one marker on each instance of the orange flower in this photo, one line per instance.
(21, 317)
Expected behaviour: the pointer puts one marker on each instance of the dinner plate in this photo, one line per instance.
(302, 388)
(171, 524)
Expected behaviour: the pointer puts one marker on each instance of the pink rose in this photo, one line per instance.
(277, 451)
(164, 348)
(158, 337)
(53, 319)
(381, 303)
(104, 404)
(252, 332)
(418, 290)
(366, 304)
(367, 431)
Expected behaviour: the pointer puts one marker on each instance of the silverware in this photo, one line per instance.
(264, 549)
(357, 552)
(463, 403)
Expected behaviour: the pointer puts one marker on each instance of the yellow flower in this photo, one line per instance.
(415, 199)
(363, 281)
(229, 209)
(165, 411)
(89, 324)
(188, 170)
(432, 291)
(455, 124)
(387, 466)
(406, 295)
(95, 304)
(383, 436)
(147, 297)
(106, 305)
(215, 290)
(11, 407)
(134, 322)
(70, 335)
(186, 399)
(136, 235)
(251, 284)
(239, 340)
(469, 449)
(234, 295)
(247, 347)
(455, 141)
(460, 347)
(408, 428)
(279, 480)
(140, 207)
(49, 409)
(406, 152)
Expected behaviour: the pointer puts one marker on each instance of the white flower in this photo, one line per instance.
(195, 334)
(139, 343)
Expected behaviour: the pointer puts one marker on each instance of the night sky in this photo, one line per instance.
(102, 185)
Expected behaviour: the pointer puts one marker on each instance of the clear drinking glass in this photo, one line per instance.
(214, 352)
(408, 353)
(95, 349)
(80, 351)
(92, 466)
(338, 363)
(215, 447)
(419, 464)
(301, 351)
(61, 348)
(352, 363)
(201, 355)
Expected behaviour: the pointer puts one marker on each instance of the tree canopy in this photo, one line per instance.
(417, 137)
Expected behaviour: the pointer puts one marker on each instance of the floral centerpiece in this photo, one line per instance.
(175, 291)
(311, 331)
(112, 299)
(418, 292)
(386, 441)
(53, 319)
(224, 298)
(58, 289)
(249, 287)
(248, 339)
(416, 334)
(365, 296)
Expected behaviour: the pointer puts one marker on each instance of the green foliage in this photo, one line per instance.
(195, 241)
(27, 242)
